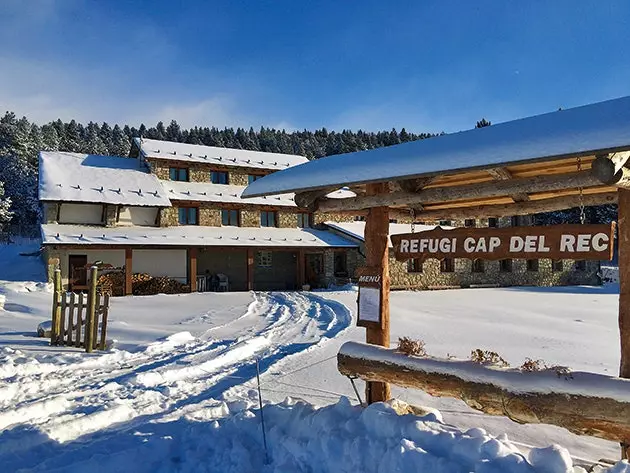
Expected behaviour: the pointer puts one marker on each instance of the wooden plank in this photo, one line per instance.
(427, 196)
(97, 316)
(507, 210)
(62, 319)
(80, 308)
(482, 389)
(192, 268)
(128, 271)
(377, 256)
(70, 319)
(578, 242)
(90, 316)
(104, 316)
(56, 308)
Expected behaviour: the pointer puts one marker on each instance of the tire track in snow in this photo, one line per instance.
(122, 390)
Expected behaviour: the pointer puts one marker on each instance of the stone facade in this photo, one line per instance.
(111, 215)
(169, 217)
(50, 210)
(320, 218)
(250, 218)
(287, 220)
(209, 217)
(238, 178)
(198, 175)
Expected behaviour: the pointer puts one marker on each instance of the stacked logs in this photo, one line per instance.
(142, 284)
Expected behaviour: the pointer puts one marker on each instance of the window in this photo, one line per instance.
(557, 265)
(230, 218)
(341, 264)
(505, 265)
(264, 259)
(267, 219)
(303, 220)
(219, 177)
(445, 223)
(477, 266)
(414, 266)
(447, 265)
(492, 222)
(178, 174)
(580, 265)
(359, 218)
(469, 222)
(253, 177)
(78, 271)
(532, 265)
(188, 215)
(515, 221)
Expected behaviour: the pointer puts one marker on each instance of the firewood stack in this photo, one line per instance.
(142, 285)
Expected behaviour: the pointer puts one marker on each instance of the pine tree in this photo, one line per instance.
(5, 205)
(482, 123)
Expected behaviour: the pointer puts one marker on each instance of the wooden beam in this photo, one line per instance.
(469, 191)
(507, 210)
(307, 199)
(502, 174)
(250, 269)
(611, 170)
(489, 390)
(128, 271)
(377, 256)
(192, 268)
(623, 240)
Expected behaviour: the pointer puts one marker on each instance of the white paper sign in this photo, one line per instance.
(369, 304)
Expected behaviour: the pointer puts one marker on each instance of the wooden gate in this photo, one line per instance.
(79, 319)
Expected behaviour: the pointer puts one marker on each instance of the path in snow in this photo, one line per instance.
(73, 396)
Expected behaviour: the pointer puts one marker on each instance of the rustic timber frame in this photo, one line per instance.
(561, 160)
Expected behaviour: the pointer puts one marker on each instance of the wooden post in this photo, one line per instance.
(623, 245)
(192, 268)
(376, 256)
(56, 309)
(104, 315)
(250, 269)
(90, 316)
(128, 271)
(79, 327)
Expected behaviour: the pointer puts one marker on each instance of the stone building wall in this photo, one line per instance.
(238, 178)
(320, 218)
(209, 217)
(196, 174)
(49, 212)
(169, 217)
(111, 215)
(250, 218)
(287, 220)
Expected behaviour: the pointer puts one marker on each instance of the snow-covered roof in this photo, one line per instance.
(191, 235)
(75, 177)
(356, 230)
(585, 130)
(223, 193)
(209, 192)
(218, 156)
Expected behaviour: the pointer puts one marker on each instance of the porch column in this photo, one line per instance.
(377, 256)
(623, 242)
(301, 269)
(128, 271)
(192, 269)
(250, 269)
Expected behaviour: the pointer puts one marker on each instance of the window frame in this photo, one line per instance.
(220, 173)
(343, 273)
(557, 265)
(230, 213)
(531, 267)
(447, 265)
(470, 223)
(415, 266)
(178, 170)
(493, 222)
(478, 266)
(264, 259)
(580, 265)
(188, 209)
(506, 265)
(253, 177)
(267, 213)
(300, 219)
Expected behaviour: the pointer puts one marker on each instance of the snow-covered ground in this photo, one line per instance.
(178, 391)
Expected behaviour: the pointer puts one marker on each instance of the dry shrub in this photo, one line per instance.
(562, 371)
(486, 357)
(411, 347)
(533, 365)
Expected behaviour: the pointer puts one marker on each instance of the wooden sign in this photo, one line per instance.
(579, 242)
(370, 297)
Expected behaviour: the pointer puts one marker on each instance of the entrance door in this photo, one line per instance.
(77, 273)
(314, 269)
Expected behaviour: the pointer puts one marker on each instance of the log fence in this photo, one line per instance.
(79, 319)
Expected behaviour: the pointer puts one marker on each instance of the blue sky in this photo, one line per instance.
(423, 65)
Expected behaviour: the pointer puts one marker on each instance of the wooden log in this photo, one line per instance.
(611, 170)
(469, 191)
(91, 311)
(128, 271)
(508, 210)
(250, 269)
(56, 308)
(623, 240)
(377, 256)
(97, 315)
(70, 319)
(502, 174)
(61, 340)
(79, 326)
(307, 199)
(567, 402)
(104, 316)
(192, 268)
